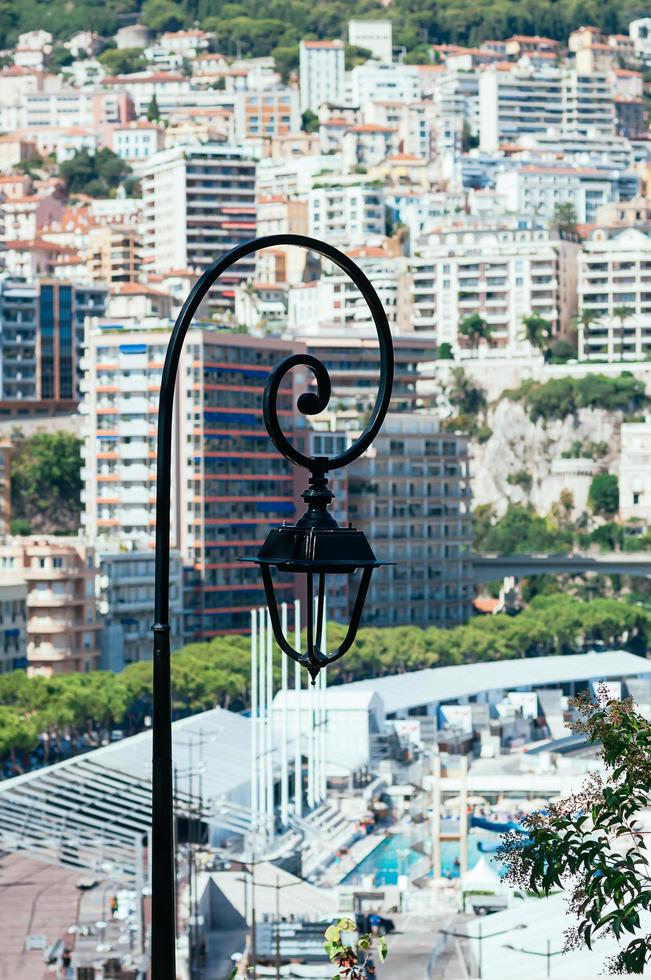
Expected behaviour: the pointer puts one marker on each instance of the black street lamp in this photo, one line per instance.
(314, 546)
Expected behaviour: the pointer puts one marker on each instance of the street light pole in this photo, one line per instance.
(548, 954)
(324, 546)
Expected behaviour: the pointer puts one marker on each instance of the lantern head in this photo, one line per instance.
(315, 547)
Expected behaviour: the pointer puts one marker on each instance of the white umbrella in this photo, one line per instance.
(530, 806)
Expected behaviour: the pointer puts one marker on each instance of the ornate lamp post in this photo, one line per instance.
(314, 547)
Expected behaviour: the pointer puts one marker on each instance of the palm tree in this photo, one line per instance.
(537, 330)
(475, 328)
(622, 313)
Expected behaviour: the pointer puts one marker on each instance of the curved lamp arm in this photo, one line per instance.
(163, 937)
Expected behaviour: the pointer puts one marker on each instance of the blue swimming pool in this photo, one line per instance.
(393, 856)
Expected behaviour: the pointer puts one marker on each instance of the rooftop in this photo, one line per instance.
(400, 692)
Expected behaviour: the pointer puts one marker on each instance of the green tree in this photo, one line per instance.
(475, 328)
(153, 112)
(163, 15)
(97, 174)
(59, 58)
(603, 495)
(355, 55)
(467, 396)
(122, 61)
(45, 471)
(592, 844)
(622, 314)
(562, 351)
(309, 122)
(565, 217)
(444, 352)
(519, 531)
(537, 330)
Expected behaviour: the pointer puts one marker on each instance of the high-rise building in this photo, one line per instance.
(353, 363)
(516, 100)
(520, 100)
(41, 338)
(229, 483)
(410, 494)
(321, 73)
(199, 202)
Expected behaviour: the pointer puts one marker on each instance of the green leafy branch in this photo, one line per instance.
(591, 844)
(353, 961)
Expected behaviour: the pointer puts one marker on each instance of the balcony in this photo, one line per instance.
(42, 599)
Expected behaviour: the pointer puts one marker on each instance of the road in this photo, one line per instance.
(410, 946)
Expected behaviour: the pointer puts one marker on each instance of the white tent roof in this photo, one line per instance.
(400, 692)
(482, 876)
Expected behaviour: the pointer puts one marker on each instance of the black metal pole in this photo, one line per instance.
(277, 928)
(163, 878)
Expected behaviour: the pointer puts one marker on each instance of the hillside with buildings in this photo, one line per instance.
(487, 167)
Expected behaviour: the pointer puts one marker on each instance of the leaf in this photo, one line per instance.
(346, 925)
(382, 948)
(332, 949)
(333, 934)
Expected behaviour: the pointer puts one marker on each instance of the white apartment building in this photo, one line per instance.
(640, 32)
(635, 471)
(294, 176)
(69, 107)
(137, 140)
(125, 600)
(334, 299)
(347, 213)
(588, 104)
(377, 81)
(593, 150)
(374, 35)
(120, 403)
(321, 73)
(522, 100)
(515, 101)
(614, 289)
(537, 190)
(502, 274)
(199, 202)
